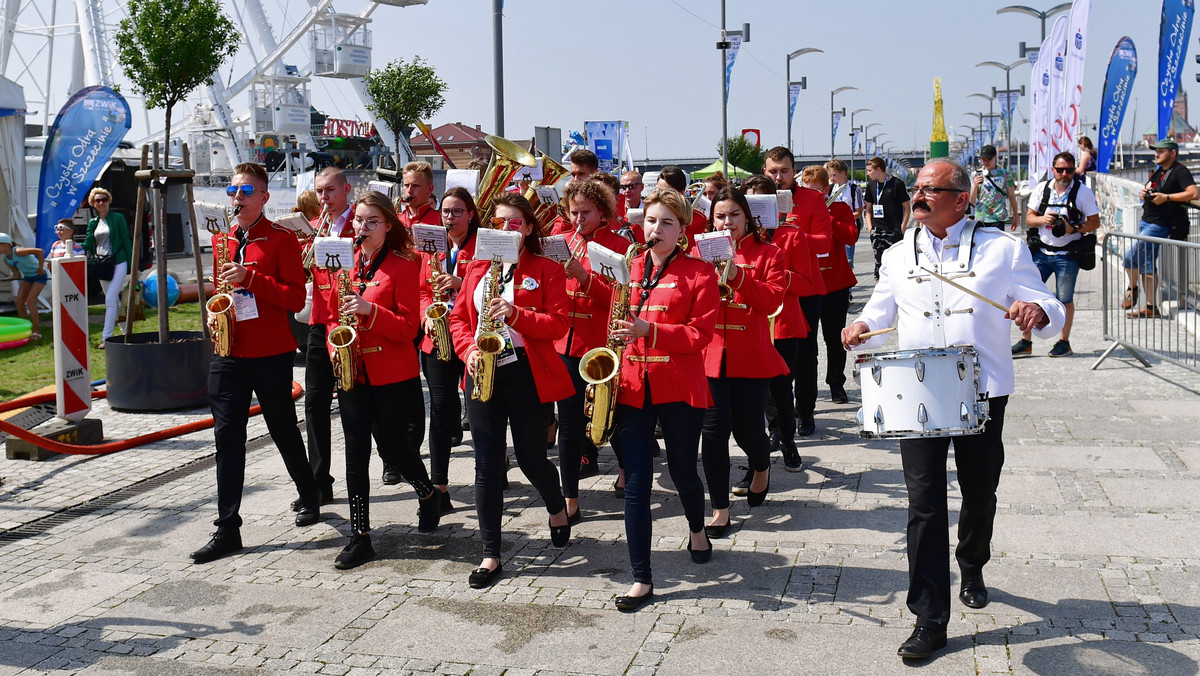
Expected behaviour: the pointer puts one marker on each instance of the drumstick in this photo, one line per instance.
(967, 291)
(872, 334)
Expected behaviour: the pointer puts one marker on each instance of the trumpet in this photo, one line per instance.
(835, 194)
(438, 310)
(725, 269)
(220, 308)
(489, 341)
(324, 227)
(600, 367)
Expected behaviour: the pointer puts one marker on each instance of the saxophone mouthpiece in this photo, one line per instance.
(652, 242)
(359, 240)
(237, 209)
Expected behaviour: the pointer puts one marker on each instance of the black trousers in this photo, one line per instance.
(514, 404)
(882, 240)
(806, 358)
(231, 382)
(386, 409)
(978, 459)
(318, 402)
(738, 405)
(781, 408)
(681, 425)
(445, 411)
(834, 306)
(573, 442)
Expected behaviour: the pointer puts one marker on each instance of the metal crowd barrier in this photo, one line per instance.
(1170, 336)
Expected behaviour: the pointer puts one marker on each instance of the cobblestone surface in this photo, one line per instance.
(1092, 571)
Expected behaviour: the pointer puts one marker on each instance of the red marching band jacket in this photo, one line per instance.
(835, 269)
(741, 336)
(812, 217)
(698, 226)
(426, 215)
(386, 333)
(319, 313)
(275, 276)
(541, 319)
(798, 281)
(588, 303)
(682, 311)
(464, 257)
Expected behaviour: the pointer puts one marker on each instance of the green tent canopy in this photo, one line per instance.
(734, 172)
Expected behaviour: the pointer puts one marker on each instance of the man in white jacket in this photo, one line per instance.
(931, 313)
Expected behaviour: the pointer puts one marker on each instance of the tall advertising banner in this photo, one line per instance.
(837, 119)
(1172, 40)
(730, 55)
(607, 140)
(81, 141)
(1118, 82)
(793, 96)
(1068, 115)
(1056, 60)
(1041, 103)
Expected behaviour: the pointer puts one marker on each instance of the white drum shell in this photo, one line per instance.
(930, 392)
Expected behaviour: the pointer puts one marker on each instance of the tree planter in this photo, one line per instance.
(146, 375)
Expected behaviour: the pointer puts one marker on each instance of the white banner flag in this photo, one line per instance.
(1076, 44)
(735, 41)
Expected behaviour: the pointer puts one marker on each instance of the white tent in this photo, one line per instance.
(13, 210)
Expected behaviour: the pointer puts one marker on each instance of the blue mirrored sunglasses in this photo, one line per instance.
(246, 190)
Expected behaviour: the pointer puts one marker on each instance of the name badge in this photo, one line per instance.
(244, 305)
(877, 211)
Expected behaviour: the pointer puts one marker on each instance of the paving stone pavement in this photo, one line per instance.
(1092, 571)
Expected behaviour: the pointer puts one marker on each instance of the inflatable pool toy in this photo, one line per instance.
(16, 343)
(14, 330)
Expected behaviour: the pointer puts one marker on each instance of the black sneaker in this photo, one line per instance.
(390, 476)
(358, 552)
(456, 439)
(445, 503)
(791, 457)
(1022, 348)
(807, 426)
(429, 513)
(743, 487)
(1061, 349)
(588, 467)
(837, 394)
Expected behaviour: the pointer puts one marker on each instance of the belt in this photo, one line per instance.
(650, 359)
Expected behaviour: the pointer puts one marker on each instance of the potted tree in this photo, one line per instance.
(167, 48)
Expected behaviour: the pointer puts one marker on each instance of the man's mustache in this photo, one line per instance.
(922, 204)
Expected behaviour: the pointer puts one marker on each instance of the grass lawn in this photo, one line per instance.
(30, 367)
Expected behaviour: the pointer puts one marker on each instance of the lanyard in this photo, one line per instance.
(241, 235)
(454, 251)
(369, 274)
(879, 191)
(648, 283)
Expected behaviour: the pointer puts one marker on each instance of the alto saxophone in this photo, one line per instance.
(438, 311)
(344, 338)
(489, 340)
(220, 308)
(600, 367)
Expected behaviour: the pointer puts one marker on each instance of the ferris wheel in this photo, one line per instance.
(263, 92)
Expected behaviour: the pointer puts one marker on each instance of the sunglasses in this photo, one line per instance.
(631, 186)
(1064, 170)
(246, 190)
(510, 224)
(100, 200)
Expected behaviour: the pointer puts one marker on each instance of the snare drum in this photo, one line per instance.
(931, 392)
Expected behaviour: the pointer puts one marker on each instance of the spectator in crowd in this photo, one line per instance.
(66, 244)
(111, 247)
(29, 271)
(887, 217)
(1164, 214)
(993, 192)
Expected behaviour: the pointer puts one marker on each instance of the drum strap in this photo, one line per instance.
(962, 263)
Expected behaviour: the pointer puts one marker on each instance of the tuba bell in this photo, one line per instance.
(507, 160)
(552, 173)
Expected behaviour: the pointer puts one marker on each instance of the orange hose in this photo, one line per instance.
(112, 446)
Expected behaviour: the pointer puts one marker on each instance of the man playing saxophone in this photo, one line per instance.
(268, 282)
(527, 306)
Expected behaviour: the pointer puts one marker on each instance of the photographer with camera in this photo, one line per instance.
(1061, 211)
(993, 193)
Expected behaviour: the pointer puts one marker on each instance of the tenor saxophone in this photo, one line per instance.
(437, 312)
(600, 367)
(220, 307)
(343, 339)
(489, 340)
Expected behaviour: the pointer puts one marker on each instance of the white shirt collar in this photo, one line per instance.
(938, 245)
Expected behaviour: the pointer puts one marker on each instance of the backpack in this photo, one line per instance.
(1083, 249)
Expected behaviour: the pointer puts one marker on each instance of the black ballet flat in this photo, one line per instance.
(482, 578)
(575, 518)
(560, 535)
(716, 532)
(755, 499)
(628, 604)
(700, 555)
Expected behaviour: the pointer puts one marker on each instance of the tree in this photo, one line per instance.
(744, 154)
(170, 47)
(402, 93)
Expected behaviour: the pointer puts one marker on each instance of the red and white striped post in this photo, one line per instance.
(72, 376)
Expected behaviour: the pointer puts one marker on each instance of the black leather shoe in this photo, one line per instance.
(307, 516)
(808, 425)
(628, 604)
(429, 513)
(588, 467)
(921, 644)
(717, 532)
(456, 439)
(837, 394)
(358, 552)
(755, 499)
(482, 578)
(560, 535)
(973, 593)
(326, 498)
(220, 545)
(445, 504)
(390, 476)
(792, 461)
(701, 555)
(618, 491)
(575, 518)
(742, 487)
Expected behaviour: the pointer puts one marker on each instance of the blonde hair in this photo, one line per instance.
(594, 190)
(308, 204)
(673, 200)
(422, 168)
(98, 191)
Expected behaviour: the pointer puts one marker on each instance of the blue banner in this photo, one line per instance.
(1118, 82)
(1172, 43)
(793, 95)
(735, 42)
(81, 141)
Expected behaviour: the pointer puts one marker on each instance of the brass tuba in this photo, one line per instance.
(552, 173)
(438, 311)
(489, 340)
(600, 367)
(220, 307)
(507, 160)
(344, 338)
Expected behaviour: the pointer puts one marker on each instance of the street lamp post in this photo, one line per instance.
(802, 83)
(831, 112)
(852, 128)
(1008, 90)
(875, 141)
(991, 111)
(1042, 16)
(867, 128)
(723, 44)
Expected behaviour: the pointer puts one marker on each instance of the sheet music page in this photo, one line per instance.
(703, 205)
(296, 222)
(210, 217)
(608, 263)
(386, 187)
(548, 194)
(555, 248)
(785, 201)
(464, 178)
(764, 208)
(635, 216)
(504, 245)
(429, 239)
(533, 173)
(333, 252)
(715, 246)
